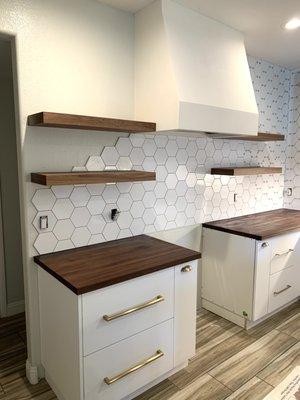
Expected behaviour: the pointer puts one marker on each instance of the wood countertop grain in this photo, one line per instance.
(260, 226)
(89, 268)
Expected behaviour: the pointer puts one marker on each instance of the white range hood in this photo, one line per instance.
(192, 73)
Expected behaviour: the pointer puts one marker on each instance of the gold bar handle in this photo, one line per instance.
(285, 253)
(157, 355)
(282, 290)
(119, 314)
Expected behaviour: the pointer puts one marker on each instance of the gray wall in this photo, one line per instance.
(9, 181)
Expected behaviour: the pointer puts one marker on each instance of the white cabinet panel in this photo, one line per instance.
(185, 311)
(98, 333)
(261, 280)
(117, 358)
(228, 271)
(60, 335)
(284, 287)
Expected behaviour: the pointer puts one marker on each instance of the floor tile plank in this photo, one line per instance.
(208, 357)
(240, 368)
(275, 320)
(204, 388)
(255, 389)
(291, 327)
(20, 388)
(278, 370)
(11, 345)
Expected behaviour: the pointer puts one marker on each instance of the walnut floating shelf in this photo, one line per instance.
(261, 137)
(84, 178)
(234, 171)
(71, 121)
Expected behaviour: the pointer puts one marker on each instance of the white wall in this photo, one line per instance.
(292, 177)
(9, 188)
(74, 56)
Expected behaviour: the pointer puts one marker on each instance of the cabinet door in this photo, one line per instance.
(228, 271)
(185, 312)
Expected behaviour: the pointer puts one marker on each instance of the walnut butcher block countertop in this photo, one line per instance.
(260, 226)
(89, 268)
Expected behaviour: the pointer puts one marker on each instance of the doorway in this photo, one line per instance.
(11, 263)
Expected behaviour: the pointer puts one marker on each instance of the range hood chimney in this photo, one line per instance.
(192, 73)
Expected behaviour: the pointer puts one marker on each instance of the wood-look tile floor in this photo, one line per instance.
(230, 363)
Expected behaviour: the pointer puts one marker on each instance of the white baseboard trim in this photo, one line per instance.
(32, 373)
(237, 319)
(15, 308)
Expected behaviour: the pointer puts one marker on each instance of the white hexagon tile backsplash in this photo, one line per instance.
(184, 192)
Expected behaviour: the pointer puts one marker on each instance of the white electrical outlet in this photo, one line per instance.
(44, 222)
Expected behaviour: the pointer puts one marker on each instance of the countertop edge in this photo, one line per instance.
(123, 278)
(233, 232)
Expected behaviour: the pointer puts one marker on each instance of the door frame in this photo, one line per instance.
(3, 302)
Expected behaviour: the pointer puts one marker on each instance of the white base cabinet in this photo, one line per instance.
(245, 280)
(89, 352)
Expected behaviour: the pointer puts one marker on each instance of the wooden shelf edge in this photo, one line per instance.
(84, 122)
(261, 137)
(237, 171)
(90, 177)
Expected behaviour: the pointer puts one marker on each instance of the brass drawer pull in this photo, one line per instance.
(187, 268)
(119, 314)
(136, 367)
(282, 290)
(285, 253)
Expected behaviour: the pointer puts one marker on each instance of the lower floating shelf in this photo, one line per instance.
(260, 137)
(234, 171)
(91, 177)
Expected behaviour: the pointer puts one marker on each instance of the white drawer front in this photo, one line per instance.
(284, 287)
(285, 251)
(99, 333)
(113, 360)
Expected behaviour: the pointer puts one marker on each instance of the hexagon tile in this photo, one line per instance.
(184, 193)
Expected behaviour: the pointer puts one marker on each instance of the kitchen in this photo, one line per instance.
(104, 162)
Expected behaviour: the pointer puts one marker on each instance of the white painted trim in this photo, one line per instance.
(14, 308)
(3, 305)
(237, 319)
(32, 373)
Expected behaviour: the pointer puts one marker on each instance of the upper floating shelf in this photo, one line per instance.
(234, 171)
(261, 137)
(71, 121)
(84, 178)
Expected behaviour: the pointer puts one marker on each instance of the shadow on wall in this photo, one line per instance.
(10, 186)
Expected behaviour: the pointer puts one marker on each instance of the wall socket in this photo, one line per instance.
(44, 222)
(236, 197)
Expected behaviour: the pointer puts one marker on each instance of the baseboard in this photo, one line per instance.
(32, 373)
(237, 319)
(14, 308)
